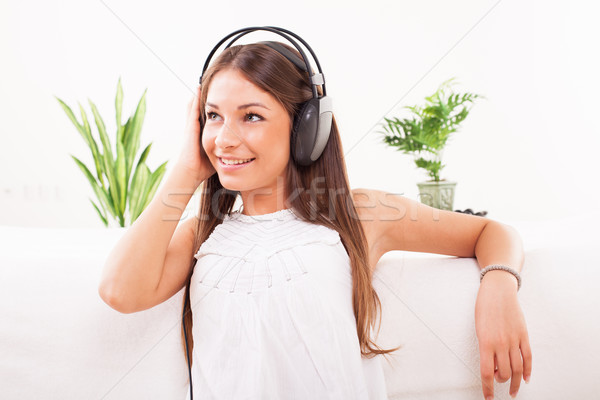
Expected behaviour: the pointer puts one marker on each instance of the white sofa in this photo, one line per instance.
(58, 340)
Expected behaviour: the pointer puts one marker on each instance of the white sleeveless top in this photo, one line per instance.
(271, 296)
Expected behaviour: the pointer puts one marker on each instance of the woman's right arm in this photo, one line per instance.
(151, 261)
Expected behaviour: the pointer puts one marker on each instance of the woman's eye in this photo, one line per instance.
(210, 115)
(254, 115)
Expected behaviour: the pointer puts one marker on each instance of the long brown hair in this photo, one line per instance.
(273, 73)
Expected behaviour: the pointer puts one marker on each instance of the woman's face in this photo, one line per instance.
(244, 122)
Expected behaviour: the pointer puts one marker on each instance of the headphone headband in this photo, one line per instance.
(315, 79)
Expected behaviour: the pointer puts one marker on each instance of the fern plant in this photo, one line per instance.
(118, 193)
(425, 134)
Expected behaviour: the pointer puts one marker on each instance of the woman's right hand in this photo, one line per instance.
(193, 158)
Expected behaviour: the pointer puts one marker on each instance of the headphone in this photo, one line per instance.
(312, 124)
(311, 127)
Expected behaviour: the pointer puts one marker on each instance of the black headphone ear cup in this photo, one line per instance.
(304, 132)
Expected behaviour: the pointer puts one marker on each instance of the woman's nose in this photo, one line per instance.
(226, 136)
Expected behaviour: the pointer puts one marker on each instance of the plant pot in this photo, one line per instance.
(437, 194)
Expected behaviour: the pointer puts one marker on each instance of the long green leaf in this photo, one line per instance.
(107, 201)
(113, 187)
(144, 154)
(71, 116)
(108, 162)
(129, 161)
(153, 184)
(100, 194)
(133, 188)
(102, 217)
(85, 171)
(92, 145)
(118, 110)
(102, 131)
(143, 174)
(132, 142)
(121, 176)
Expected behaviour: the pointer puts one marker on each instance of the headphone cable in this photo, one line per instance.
(187, 352)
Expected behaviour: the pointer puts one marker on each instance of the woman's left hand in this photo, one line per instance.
(502, 333)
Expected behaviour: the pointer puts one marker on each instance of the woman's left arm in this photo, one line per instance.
(395, 222)
(501, 330)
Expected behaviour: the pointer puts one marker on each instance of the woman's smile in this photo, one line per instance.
(232, 165)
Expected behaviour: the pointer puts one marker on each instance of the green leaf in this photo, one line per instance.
(121, 176)
(108, 163)
(129, 160)
(113, 187)
(145, 153)
(103, 136)
(132, 141)
(100, 194)
(153, 183)
(102, 217)
(140, 182)
(85, 171)
(71, 116)
(107, 201)
(118, 110)
(135, 180)
(92, 145)
(149, 189)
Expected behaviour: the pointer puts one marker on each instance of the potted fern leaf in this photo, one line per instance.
(120, 195)
(425, 135)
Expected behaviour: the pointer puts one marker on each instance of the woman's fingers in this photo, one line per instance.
(516, 365)
(193, 105)
(527, 359)
(503, 361)
(487, 371)
(505, 365)
(189, 106)
(196, 104)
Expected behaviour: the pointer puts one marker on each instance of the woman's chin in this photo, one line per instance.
(231, 184)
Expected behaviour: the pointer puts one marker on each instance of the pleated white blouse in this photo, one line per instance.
(271, 297)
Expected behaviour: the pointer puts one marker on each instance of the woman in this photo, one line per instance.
(282, 303)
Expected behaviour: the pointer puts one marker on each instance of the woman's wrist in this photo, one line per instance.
(196, 176)
(501, 277)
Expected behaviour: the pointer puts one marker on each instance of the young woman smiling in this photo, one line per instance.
(279, 301)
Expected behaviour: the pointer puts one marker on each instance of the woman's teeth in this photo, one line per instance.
(234, 162)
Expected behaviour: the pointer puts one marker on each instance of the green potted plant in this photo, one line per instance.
(119, 193)
(425, 135)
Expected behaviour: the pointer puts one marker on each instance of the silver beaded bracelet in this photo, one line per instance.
(502, 267)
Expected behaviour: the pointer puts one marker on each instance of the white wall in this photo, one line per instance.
(527, 153)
